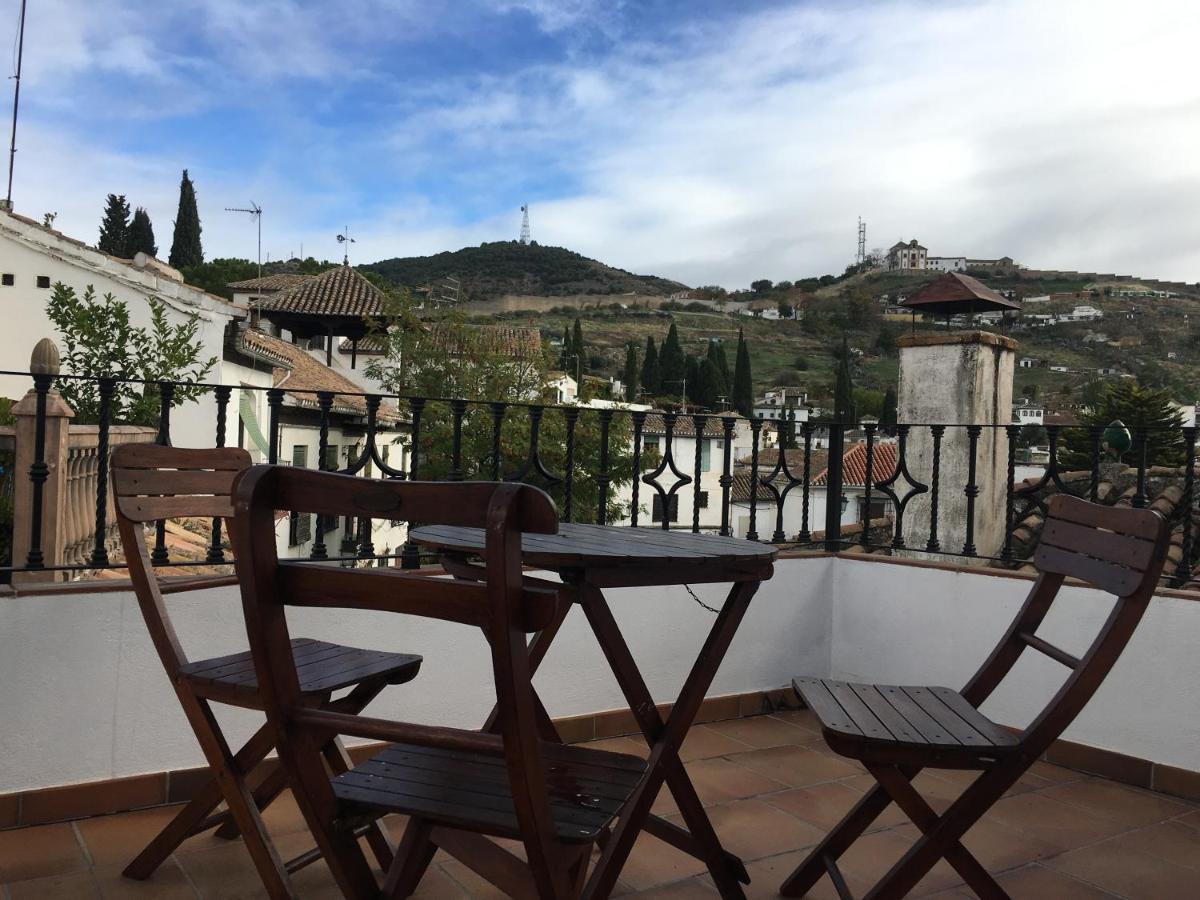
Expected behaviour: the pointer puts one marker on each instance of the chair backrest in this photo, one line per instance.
(1119, 550)
(502, 605)
(150, 483)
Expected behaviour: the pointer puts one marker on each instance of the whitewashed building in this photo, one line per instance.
(946, 263)
(907, 256)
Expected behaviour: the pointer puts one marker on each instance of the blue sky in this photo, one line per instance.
(705, 141)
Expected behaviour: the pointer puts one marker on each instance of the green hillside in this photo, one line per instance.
(509, 267)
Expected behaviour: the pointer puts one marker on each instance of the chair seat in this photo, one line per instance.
(471, 790)
(321, 667)
(897, 724)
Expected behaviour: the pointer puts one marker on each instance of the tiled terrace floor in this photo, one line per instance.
(772, 788)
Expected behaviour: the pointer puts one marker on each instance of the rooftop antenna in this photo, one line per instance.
(862, 242)
(344, 238)
(12, 150)
(525, 224)
(256, 211)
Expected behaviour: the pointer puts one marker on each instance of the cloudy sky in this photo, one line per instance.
(701, 140)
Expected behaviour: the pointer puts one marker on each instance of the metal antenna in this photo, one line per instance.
(344, 238)
(256, 211)
(12, 150)
(862, 242)
(525, 224)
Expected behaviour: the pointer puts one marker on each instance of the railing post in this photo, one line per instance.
(99, 557)
(727, 425)
(833, 488)
(325, 404)
(43, 421)
(222, 394)
(166, 394)
(410, 556)
(603, 476)
(571, 414)
(1183, 571)
(755, 432)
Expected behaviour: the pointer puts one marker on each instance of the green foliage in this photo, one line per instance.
(578, 351)
(1139, 408)
(786, 310)
(141, 235)
(868, 402)
(671, 363)
(801, 363)
(887, 416)
(651, 373)
(885, 343)
(509, 267)
(114, 228)
(98, 338)
(186, 250)
(743, 381)
(477, 370)
(630, 375)
(710, 386)
(716, 355)
(691, 376)
(843, 391)
(762, 286)
(215, 276)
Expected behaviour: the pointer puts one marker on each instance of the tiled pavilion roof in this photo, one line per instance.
(340, 293)
(280, 281)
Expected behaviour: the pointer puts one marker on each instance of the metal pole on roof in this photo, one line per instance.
(256, 211)
(12, 150)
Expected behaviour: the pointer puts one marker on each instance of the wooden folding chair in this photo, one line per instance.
(896, 731)
(459, 788)
(152, 483)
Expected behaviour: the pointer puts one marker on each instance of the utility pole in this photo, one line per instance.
(12, 150)
(256, 211)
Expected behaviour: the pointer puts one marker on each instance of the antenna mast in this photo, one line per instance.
(525, 224)
(862, 242)
(344, 238)
(12, 150)
(256, 211)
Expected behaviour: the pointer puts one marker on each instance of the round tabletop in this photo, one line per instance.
(604, 545)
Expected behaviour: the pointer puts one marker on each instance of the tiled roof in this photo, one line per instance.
(299, 374)
(341, 292)
(500, 340)
(854, 464)
(280, 281)
(739, 490)
(684, 426)
(957, 292)
(768, 457)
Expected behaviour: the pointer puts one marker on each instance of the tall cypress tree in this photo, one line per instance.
(114, 228)
(651, 377)
(712, 387)
(141, 235)
(564, 356)
(743, 381)
(671, 362)
(843, 391)
(630, 376)
(887, 417)
(691, 377)
(577, 349)
(185, 245)
(716, 356)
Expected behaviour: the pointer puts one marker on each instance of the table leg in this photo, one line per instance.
(664, 740)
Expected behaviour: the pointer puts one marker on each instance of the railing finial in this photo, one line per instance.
(45, 359)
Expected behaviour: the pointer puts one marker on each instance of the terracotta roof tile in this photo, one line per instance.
(280, 281)
(502, 340)
(956, 292)
(854, 464)
(337, 292)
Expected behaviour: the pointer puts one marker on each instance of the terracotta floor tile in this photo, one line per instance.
(634, 746)
(654, 863)
(825, 805)
(72, 886)
(472, 885)
(795, 766)
(766, 875)
(1036, 882)
(761, 732)
(996, 846)
(1172, 841)
(680, 890)
(1129, 806)
(437, 885)
(1058, 824)
(42, 850)
(1122, 870)
(872, 855)
(705, 741)
(1058, 774)
(117, 839)
(752, 829)
(283, 816)
(167, 883)
(805, 718)
(225, 871)
(1191, 819)
(718, 781)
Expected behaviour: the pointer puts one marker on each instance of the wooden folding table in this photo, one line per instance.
(590, 558)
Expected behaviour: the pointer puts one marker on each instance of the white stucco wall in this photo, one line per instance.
(84, 698)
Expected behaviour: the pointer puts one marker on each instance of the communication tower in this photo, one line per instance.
(861, 257)
(525, 224)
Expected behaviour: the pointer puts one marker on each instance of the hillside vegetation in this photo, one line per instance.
(509, 267)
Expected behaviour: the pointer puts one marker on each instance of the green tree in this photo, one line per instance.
(630, 375)
(711, 387)
(787, 430)
(1139, 408)
(887, 417)
(691, 376)
(651, 374)
(843, 391)
(185, 244)
(98, 339)
(462, 362)
(114, 228)
(885, 343)
(216, 275)
(141, 235)
(761, 286)
(786, 310)
(743, 381)
(671, 362)
(716, 355)
(578, 351)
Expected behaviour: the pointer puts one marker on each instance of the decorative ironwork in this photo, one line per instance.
(603, 476)
(222, 394)
(667, 462)
(166, 396)
(972, 489)
(755, 431)
(805, 534)
(571, 415)
(728, 423)
(868, 478)
(1183, 571)
(106, 388)
(639, 422)
(915, 488)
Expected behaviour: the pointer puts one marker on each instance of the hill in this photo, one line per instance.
(509, 267)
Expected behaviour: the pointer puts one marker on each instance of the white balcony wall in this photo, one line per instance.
(84, 698)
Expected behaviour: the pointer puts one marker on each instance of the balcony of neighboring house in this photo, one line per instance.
(904, 552)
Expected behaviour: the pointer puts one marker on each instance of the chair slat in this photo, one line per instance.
(1132, 553)
(899, 726)
(964, 733)
(151, 509)
(156, 456)
(129, 482)
(997, 736)
(1104, 575)
(821, 702)
(866, 721)
(1142, 523)
(921, 722)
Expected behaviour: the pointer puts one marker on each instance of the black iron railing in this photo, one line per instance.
(933, 488)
